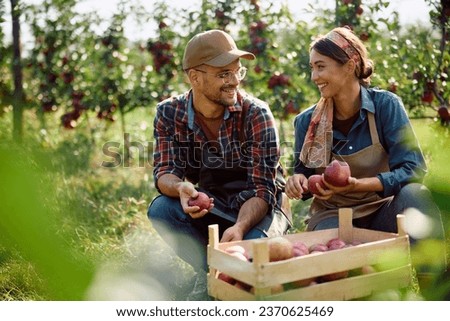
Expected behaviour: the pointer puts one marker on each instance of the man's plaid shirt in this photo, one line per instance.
(175, 129)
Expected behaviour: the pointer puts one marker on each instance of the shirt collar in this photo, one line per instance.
(366, 100)
(227, 114)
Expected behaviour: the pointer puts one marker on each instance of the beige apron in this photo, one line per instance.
(367, 162)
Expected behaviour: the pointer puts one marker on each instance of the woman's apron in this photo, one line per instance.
(367, 162)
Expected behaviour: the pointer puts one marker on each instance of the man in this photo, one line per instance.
(220, 141)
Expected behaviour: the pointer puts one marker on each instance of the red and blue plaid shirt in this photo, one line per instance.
(175, 128)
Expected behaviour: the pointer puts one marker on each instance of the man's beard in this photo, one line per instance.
(225, 102)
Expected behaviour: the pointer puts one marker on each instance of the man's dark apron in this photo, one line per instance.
(367, 162)
(225, 180)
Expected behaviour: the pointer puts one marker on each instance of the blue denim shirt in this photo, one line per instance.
(406, 161)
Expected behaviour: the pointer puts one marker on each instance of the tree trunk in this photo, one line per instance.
(18, 96)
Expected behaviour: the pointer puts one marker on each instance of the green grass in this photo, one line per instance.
(78, 230)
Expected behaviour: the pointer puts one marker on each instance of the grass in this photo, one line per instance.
(90, 220)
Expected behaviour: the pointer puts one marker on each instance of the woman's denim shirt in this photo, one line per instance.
(406, 161)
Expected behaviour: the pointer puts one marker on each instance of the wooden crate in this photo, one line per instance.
(388, 252)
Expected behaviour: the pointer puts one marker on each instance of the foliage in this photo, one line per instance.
(75, 71)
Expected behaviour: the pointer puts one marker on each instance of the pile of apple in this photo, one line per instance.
(280, 249)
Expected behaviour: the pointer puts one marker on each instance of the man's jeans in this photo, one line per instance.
(188, 237)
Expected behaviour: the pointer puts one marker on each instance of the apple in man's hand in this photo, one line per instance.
(202, 200)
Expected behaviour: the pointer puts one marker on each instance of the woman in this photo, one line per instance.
(365, 127)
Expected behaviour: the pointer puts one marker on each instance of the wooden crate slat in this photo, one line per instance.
(387, 252)
(238, 269)
(227, 292)
(349, 288)
(344, 289)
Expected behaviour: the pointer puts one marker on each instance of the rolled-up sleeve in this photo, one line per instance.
(406, 161)
(167, 154)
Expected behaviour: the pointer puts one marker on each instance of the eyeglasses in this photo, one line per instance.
(226, 76)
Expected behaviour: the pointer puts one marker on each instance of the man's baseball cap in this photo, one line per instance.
(214, 48)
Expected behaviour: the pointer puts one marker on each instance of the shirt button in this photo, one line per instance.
(350, 147)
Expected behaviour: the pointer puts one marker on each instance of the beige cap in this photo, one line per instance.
(214, 48)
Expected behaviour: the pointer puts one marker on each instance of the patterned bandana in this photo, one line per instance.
(316, 150)
(344, 44)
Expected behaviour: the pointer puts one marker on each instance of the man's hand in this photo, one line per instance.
(233, 233)
(187, 190)
(296, 185)
(251, 213)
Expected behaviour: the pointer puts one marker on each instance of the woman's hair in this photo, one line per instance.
(341, 44)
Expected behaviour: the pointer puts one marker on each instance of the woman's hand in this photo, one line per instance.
(326, 194)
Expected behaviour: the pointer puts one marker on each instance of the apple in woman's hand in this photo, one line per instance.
(337, 173)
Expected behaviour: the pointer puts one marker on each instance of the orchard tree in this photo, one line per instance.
(272, 76)
(63, 43)
(438, 82)
(18, 94)
(4, 83)
(166, 55)
(413, 62)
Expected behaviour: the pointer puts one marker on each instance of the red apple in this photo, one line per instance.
(312, 181)
(337, 173)
(240, 256)
(444, 114)
(299, 248)
(280, 249)
(334, 276)
(226, 278)
(364, 36)
(359, 10)
(237, 249)
(302, 283)
(243, 286)
(318, 247)
(202, 200)
(335, 244)
(427, 96)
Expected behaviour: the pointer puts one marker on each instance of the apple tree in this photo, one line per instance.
(57, 61)
(5, 90)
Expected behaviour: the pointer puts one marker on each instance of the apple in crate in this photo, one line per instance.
(335, 244)
(237, 249)
(299, 248)
(280, 249)
(317, 248)
(226, 278)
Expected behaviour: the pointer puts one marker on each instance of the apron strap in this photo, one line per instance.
(373, 128)
(243, 116)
